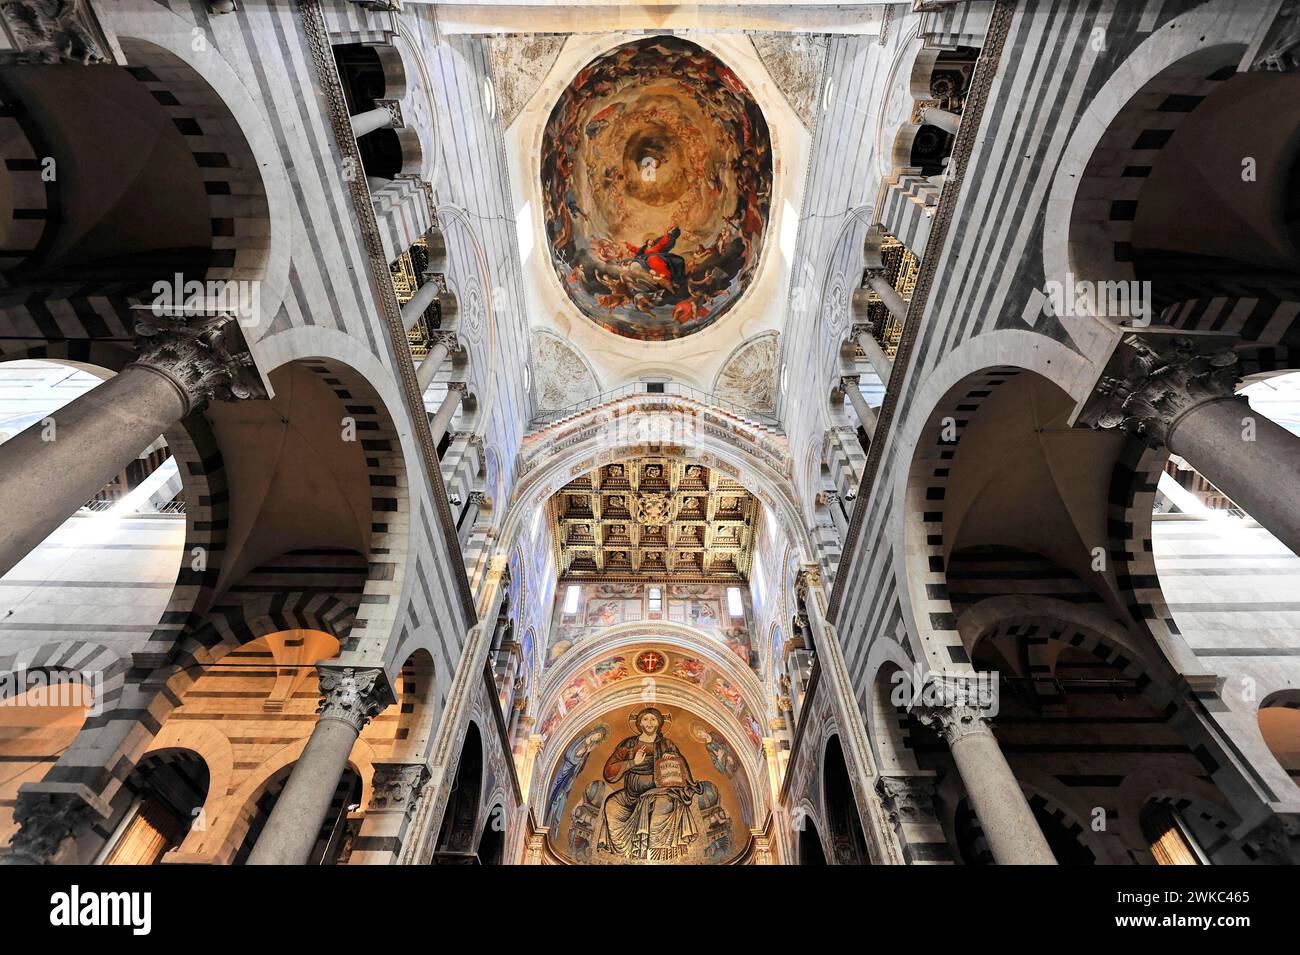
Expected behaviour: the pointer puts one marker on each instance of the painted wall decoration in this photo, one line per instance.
(608, 604)
(648, 785)
(656, 173)
(563, 379)
(749, 376)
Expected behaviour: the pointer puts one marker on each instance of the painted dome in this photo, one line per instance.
(656, 172)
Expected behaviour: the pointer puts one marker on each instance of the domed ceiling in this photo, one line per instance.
(656, 173)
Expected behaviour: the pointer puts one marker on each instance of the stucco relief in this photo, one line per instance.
(519, 63)
(563, 378)
(748, 377)
(794, 61)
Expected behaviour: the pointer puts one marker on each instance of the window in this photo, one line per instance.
(656, 600)
(571, 598)
(735, 606)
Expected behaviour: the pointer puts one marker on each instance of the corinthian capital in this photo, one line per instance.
(394, 108)
(955, 723)
(397, 786)
(46, 820)
(907, 799)
(1148, 387)
(957, 705)
(352, 695)
(204, 357)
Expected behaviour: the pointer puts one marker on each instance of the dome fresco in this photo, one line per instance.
(656, 171)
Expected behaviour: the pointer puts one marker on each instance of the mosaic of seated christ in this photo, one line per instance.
(657, 177)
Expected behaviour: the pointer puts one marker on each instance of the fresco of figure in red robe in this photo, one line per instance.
(656, 174)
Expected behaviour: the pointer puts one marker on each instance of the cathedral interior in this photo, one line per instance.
(505, 432)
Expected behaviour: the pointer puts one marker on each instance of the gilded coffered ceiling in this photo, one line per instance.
(654, 518)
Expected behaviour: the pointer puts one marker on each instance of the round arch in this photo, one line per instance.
(631, 427)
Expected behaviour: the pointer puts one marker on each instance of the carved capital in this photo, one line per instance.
(394, 108)
(204, 357)
(809, 579)
(397, 786)
(460, 386)
(46, 820)
(1147, 388)
(52, 31)
(955, 723)
(450, 340)
(1277, 841)
(907, 799)
(849, 382)
(353, 696)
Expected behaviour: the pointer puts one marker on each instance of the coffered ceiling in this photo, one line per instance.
(655, 517)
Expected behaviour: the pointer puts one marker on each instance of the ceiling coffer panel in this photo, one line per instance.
(654, 517)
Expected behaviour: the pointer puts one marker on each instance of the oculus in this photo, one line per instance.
(656, 173)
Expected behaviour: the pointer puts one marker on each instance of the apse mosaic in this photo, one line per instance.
(648, 785)
(656, 173)
(658, 662)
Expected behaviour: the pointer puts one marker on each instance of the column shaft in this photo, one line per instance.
(880, 362)
(865, 414)
(302, 807)
(945, 120)
(1260, 475)
(889, 295)
(837, 515)
(419, 303)
(428, 368)
(370, 120)
(442, 419)
(43, 483)
(1004, 815)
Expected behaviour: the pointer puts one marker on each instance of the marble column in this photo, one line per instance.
(880, 362)
(945, 119)
(419, 303)
(837, 514)
(894, 302)
(1176, 393)
(444, 343)
(867, 417)
(956, 709)
(386, 115)
(470, 516)
(53, 467)
(350, 698)
(442, 418)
